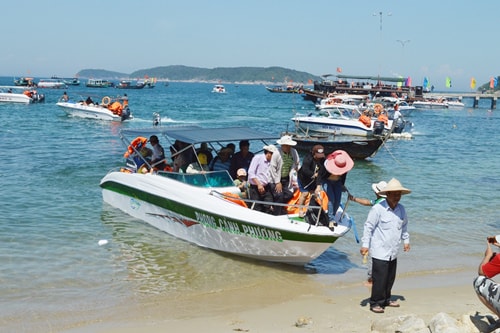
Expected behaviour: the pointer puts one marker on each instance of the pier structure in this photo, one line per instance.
(476, 97)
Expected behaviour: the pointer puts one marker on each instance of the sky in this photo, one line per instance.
(417, 39)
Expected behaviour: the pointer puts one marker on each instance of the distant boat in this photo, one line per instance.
(52, 83)
(219, 88)
(127, 84)
(290, 89)
(25, 82)
(98, 83)
(72, 82)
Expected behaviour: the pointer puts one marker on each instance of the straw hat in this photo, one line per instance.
(394, 186)
(286, 140)
(377, 187)
(338, 163)
(270, 148)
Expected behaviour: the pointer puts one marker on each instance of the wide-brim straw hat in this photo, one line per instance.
(377, 187)
(395, 186)
(286, 140)
(338, 162)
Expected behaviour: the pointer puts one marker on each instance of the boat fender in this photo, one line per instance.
(106, 100)
(137, 143)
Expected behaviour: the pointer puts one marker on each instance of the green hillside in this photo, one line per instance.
(223, 74)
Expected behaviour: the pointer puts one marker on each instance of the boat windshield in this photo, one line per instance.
(206, 179)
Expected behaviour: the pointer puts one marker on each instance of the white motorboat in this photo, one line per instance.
(20, 94)
(219, 88)
(204, 208)
(453, 103)
(341, 100)
(339, 121)
(116, 109)
(52, 83)
(430, 104)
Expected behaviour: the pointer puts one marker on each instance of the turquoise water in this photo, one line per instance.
(54, 274)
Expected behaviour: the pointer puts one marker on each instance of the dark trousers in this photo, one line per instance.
(383, 275)
(265, 196)
(282, 197)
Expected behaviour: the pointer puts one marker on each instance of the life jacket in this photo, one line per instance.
(383, 117)
(116, 107)
(365, 120)
(235, 198)
(137, 143)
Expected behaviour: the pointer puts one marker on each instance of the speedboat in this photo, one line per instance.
(52, 83)
(204, 208)
(219, 88)
(341, 100)
(23, 95)
(339, 121)
(430, 104)
(127, 84)
(114, 109)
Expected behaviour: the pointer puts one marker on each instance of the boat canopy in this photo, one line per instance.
(195, 134)
(375, 78)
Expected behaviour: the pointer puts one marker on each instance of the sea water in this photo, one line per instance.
(56, 272)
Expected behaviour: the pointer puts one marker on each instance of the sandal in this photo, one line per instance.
(393, 304)
(377, 309)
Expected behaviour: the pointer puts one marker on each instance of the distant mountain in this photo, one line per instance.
(222, 74)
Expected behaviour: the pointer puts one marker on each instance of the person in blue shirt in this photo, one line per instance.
(385, 227)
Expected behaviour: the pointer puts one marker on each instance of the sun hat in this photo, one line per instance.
(338, 162)
(377, 187)
(270, 148)
(394, 186)
(241, 172)
(318, 151)
(286, 140)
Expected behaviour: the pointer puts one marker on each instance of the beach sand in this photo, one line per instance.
(293, 306)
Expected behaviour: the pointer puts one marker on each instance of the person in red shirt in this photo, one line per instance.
(486, 289)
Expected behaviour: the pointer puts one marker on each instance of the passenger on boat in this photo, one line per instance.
(205, 150)
(241, 159)
(181, 155)
(281, 166)
(307, 176)
(158, 157)
(89, 101)
(241, 183)
(199, 166)
(258, 177)
(64, 97)
(332, 176)
(383, 117)
(222, 161)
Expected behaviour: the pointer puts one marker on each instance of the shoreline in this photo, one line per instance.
(288, 305)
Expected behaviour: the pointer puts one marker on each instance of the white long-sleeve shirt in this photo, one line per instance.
(384, 229)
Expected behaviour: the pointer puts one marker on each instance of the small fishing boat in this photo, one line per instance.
(286, 89)
(25, 82)
(20, 94)
(72, 82)
(204, 208)
(112, 109)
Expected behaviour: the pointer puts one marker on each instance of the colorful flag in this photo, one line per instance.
(339, 70)
(492, 83)
(495, 81)
(408, 82)
(426, 82)
(448, 82)
(473, 83)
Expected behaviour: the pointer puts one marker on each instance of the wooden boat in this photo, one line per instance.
(204, 208)
(357, 148)
(126, 84)
(25, 82)
(287, 89)
(97, 83)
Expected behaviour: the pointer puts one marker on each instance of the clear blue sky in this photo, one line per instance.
(456, 39)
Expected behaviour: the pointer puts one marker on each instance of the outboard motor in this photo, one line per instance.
(125, 113)
(400, 125)
(378, 127)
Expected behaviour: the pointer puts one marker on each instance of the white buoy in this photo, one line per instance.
(102, 242)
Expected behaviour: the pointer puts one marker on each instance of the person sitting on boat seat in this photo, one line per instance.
(64, 97)
(259, 178)
(241, 183)
(199, 166)
(89, 101)
(365, 119)
(205, 150)
(158, 156)
(222, 161)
